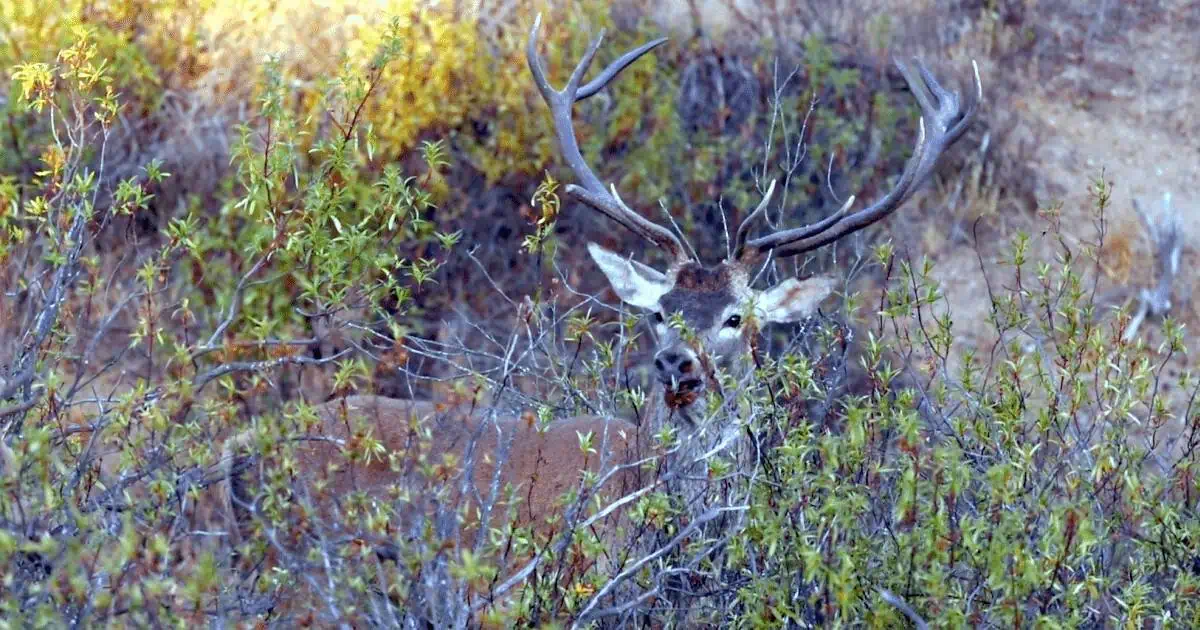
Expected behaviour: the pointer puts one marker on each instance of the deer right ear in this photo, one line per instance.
(793, 300)
(635, 283)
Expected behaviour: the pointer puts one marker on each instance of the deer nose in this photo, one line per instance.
(674, 363)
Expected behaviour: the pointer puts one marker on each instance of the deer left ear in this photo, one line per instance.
(793, 300)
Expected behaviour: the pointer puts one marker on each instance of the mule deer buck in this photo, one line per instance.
(716, 303)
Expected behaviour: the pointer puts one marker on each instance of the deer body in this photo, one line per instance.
(419, 439)
(704, 320)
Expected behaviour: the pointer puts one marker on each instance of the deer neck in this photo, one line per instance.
(702, 432)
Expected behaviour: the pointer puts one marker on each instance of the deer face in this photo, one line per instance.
(705, 318)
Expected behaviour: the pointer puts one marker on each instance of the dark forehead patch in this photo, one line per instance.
(700, 294)
(696, 277)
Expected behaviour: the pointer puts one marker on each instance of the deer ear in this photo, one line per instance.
(635, 283)
(793, 300)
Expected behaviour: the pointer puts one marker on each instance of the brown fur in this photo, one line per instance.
(680, 400)
(696, 277)
(543, 466)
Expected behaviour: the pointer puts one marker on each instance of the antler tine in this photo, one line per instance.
(743, 231)
(590, 190)
(942, 113)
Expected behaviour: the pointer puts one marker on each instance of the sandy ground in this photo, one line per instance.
(1135, 116)
(1126, 106)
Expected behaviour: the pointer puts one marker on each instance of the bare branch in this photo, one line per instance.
(1162, 232)
(903, 607)
(257, 366)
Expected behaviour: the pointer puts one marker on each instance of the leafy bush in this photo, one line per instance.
(106, 510)
(1047, 479)
(1045, 476)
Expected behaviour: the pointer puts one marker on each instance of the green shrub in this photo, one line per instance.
(1039, 481)
(1046, 478)
(125, 371)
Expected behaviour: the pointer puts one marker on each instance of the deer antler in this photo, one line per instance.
(942, 114)
(590, 190)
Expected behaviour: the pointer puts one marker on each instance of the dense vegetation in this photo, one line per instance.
(195, 242)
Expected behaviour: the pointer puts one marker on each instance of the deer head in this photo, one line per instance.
(705, 317)
(716, 304)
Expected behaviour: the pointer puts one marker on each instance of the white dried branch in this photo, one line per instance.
(1162, 232)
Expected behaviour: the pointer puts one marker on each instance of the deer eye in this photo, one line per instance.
(734, 321)
(658, 317)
